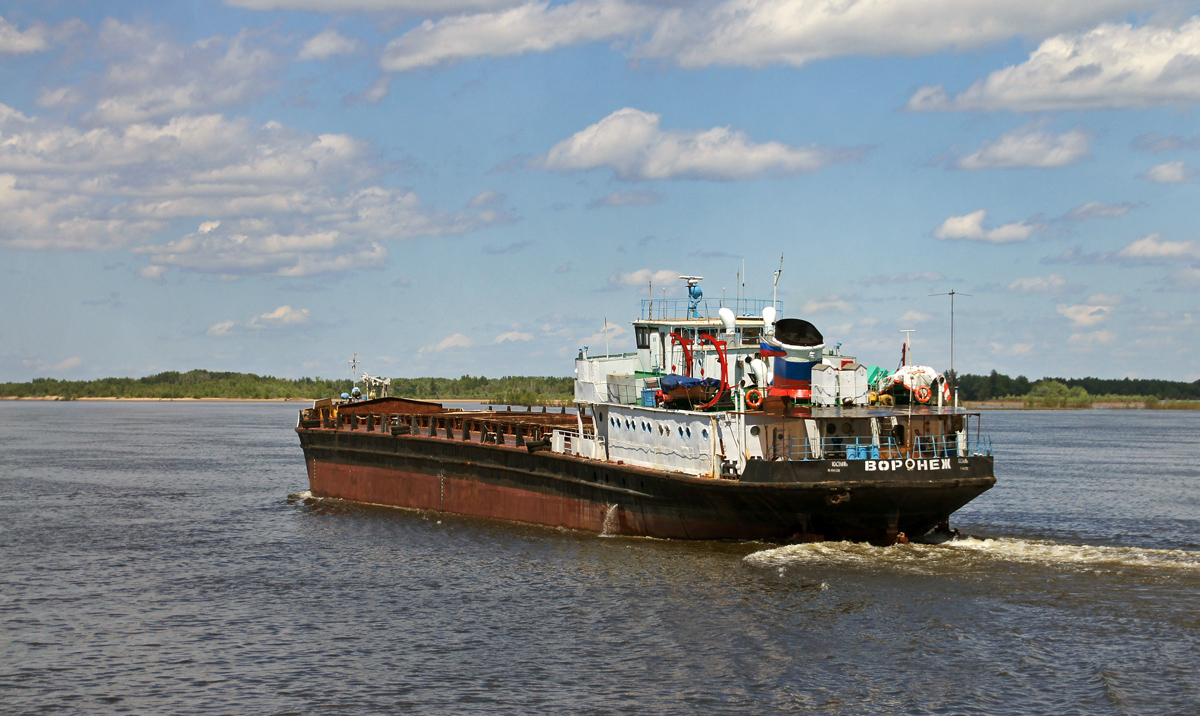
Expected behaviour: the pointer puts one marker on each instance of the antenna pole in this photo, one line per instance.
(953, 375)
(908, 344)
(775, 288)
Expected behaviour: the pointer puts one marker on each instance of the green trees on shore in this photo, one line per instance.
(1072, 392)
(210, 384)
(524, 390)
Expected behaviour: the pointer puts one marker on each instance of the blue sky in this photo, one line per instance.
(474, 186)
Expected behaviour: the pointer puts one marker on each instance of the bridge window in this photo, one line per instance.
(643, 336)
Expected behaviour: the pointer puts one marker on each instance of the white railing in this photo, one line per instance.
(570, 442)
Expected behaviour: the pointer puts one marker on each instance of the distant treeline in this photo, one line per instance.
(518, 390)
(209, 384)
(997, 385)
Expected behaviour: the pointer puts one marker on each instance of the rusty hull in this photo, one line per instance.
(488, 464)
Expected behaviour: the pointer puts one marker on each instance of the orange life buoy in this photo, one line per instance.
(754, 399)
(923, 393)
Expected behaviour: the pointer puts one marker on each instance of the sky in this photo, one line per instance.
(449, 187)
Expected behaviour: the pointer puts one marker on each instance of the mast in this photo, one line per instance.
(775, 288)
(906, 359)
(953, 375)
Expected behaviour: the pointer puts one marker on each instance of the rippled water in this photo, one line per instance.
(153, 563)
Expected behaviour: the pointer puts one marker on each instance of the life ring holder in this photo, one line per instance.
(923, 393)
(754, 399)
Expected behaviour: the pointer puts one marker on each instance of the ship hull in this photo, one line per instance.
(811, 500)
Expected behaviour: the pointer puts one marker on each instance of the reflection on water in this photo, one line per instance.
(154, 562)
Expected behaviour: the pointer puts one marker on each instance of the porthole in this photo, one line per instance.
(704, 433)
(755, 431)
(689, 433)
(680, 431)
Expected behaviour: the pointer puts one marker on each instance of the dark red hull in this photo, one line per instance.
(830, 501)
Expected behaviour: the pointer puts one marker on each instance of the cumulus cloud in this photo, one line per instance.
(15, 42)
(734, 32)
(1054, 283)
(221, 329)
(271, 199)
(1095, 209)
(282, 317)
(149, 77)
(1110, 66)
(642, 277)
(1086, 315)
(152, 272)
(513, 336)
(1153, 250)
(1168, 173)
(738, 32)
(457, 340)
(970, 228)
(829, 304)
(628, 198)
(1029, 147)
(531, 27)
(915, 317)
(920, 277)
(69, 363)
(339, 6)
(326, 44)
(631, 144)
(376, 92)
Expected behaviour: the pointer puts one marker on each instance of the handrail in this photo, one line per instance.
(870, 448)
(675, 308)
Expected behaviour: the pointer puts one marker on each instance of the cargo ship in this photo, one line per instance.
(724, 423)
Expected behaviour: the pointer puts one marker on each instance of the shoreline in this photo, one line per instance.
(967, 405)
(61, 399)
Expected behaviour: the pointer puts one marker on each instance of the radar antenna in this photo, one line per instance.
(694, 294)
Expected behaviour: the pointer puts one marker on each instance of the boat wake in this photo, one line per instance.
(970, 552)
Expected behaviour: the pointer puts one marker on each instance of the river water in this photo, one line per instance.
(152, 562)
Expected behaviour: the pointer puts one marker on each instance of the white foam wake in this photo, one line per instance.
(965, 553)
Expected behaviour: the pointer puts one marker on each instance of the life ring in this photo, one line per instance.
(923, 393)
(754, 399)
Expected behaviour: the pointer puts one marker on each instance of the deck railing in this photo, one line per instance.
(676, 308)
(869, 448)
(570, 442)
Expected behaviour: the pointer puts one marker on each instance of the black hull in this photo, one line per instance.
(825, 499)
